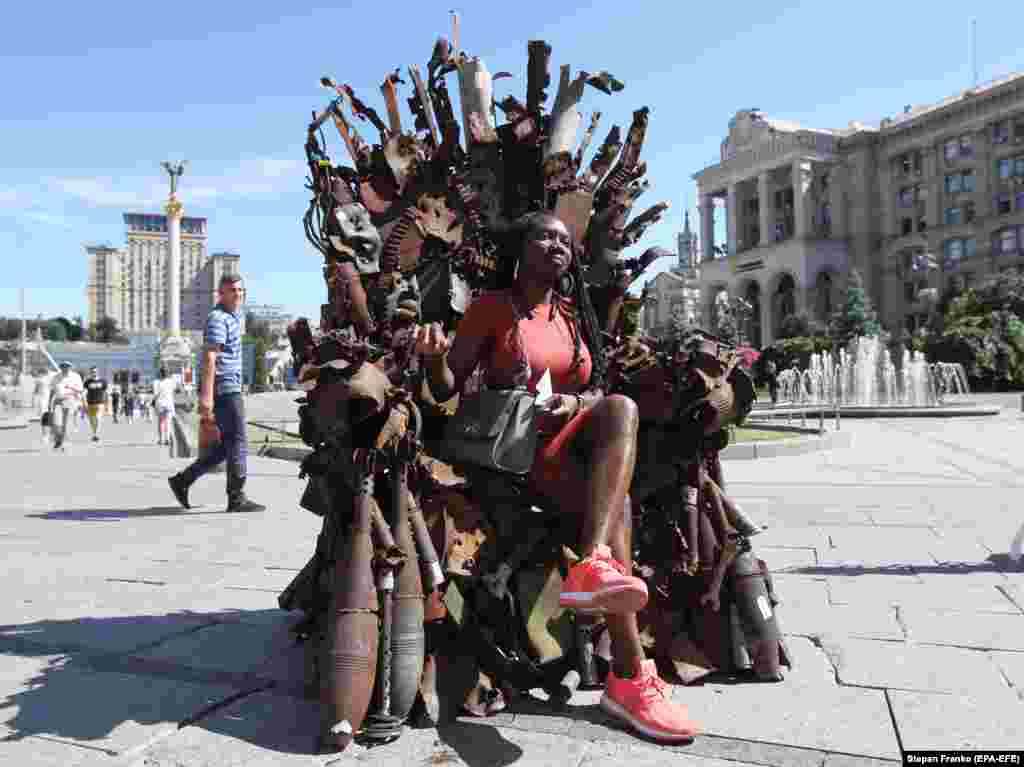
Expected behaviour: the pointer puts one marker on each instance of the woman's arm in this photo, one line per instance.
(448, 371)
(451, 361)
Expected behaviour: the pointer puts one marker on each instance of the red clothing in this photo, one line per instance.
(548, 342)
(556, 473)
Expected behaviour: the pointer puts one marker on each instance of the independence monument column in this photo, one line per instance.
(175, 350)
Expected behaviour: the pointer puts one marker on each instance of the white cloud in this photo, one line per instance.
(49, 219)
(9, 196)
(102, 191)
(251, 177)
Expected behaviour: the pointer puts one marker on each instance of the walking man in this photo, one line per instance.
(65, 395)
(772, 374)
(220, 400)
(95, 399)
(115, 400)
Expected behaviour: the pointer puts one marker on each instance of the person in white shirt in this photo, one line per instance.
(163, 401)
(65, 401)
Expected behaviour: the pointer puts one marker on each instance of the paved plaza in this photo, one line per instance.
(135, 633)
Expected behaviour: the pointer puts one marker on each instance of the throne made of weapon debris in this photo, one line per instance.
(410, 233)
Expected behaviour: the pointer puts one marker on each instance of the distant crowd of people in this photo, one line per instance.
(69, 402)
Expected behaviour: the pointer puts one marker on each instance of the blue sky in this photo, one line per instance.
(97, 94)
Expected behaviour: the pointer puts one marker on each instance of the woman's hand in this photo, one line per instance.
(431, 341)
(556, 411)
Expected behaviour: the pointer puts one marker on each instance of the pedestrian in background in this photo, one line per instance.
(65, 398)
(221, 405)
(771, 373)
(95, 399)
(129, 403)
(115, 401)
(163, 402)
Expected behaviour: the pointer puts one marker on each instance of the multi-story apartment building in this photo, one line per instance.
(201, 295)
(673, 295)
(931, 197)
(106, 287)
(131, 285)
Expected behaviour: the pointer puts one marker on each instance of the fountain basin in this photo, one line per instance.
(876, 411)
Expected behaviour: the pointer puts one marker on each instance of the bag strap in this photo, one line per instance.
(523, 372)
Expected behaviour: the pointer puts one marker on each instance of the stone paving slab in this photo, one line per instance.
(232, 647)
(978, 630)
(865, 621)
(841, 719)
(957, 722)
(43, 750)
(50, 697)
(789, 559)
(1012, 667)
(928, 591)
(906, 666)
(795, 591)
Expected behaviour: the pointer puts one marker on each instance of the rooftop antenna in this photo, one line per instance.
(974, 52)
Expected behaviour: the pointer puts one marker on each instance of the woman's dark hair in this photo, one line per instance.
(575, 303)
(163, 372)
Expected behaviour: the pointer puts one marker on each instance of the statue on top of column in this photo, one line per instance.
(175, 171)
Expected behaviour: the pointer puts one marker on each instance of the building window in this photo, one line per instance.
(1018, 129)
(908, 226)
(922, 223)
(1002, 203)
(955, 250)
(960, 182)
(909, 195)
(1005, 242)
(953, 216)
(968, 211)
(958, 148)
(1001, 132)
(910, 163)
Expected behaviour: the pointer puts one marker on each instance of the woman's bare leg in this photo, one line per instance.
(609, 435)
(627, 650)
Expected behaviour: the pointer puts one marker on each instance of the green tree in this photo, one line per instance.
(856, 317)
(106, 331)
(55, 331)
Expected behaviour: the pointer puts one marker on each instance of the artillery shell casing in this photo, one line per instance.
(351, 662)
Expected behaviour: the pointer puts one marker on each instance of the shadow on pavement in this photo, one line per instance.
(115, 684)
(108, 515)
(70, 680)
(995, 563)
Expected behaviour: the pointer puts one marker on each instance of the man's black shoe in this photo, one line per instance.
(180, 490)
(246, 505)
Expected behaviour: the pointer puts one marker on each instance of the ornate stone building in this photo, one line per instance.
(673, 293)
(930, 197)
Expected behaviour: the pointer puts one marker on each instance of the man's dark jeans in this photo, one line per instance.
(229, 412)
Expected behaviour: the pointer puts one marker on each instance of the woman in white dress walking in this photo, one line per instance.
(163, 401)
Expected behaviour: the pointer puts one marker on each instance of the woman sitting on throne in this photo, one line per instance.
(541, 320)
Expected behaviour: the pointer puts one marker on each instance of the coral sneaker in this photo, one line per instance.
(599, 584)
(643, 703)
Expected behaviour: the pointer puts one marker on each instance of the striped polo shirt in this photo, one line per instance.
(224, 333)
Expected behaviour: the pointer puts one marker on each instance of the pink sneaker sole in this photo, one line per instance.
(622, 714)
(615, 600)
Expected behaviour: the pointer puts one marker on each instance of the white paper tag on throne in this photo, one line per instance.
(544, 388)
